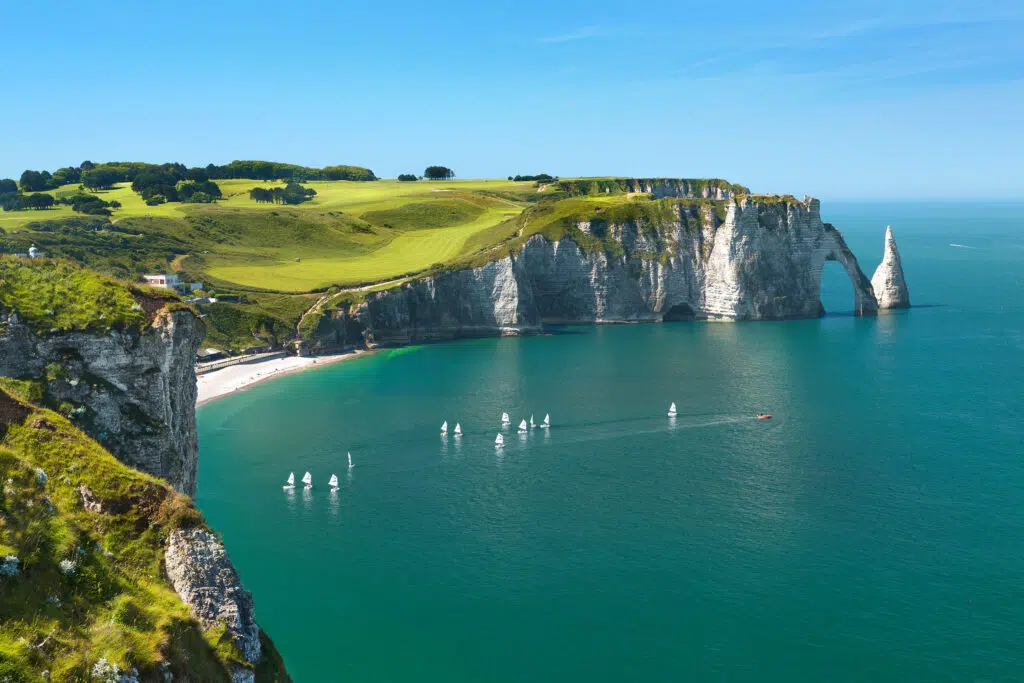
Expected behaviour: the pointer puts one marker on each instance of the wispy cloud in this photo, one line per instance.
(584, 33)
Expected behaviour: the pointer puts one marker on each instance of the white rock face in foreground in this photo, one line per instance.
(888, 281)
(203, 575)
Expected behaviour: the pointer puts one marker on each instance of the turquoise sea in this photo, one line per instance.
(872, 531)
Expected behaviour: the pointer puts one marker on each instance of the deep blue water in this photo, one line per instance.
(872, 531)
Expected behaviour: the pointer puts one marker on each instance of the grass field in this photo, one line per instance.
(409, 251)
(350, 233)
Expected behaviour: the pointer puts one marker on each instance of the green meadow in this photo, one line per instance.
(350, 233)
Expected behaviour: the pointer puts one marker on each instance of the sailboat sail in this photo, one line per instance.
(499, 441)
(444, 427)
(307, 479)
(672, 410)
(531, 422)
(522, 426)
(350, 461)
(334, 481)
(504, 419)
(547, 421)
(458, 429)
(291, 479)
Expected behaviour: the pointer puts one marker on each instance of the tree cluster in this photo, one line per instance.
(539, 178)
(89, 204)
(175, 183)
(438, 173)
(38, 181)
(407, 177)
(292, 193)
(272, 170)
(16, 201)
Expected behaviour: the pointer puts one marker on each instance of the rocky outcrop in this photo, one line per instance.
(888, 283)
(201, 572)
(134, 393)
(761, 260)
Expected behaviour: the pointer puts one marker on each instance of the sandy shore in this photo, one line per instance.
(214, 384)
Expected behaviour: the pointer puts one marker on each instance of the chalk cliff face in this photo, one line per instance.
(888, 282)
(201, 572)
(761, 261)
(136, 393)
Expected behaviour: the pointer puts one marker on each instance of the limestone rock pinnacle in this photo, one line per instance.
(888, 282)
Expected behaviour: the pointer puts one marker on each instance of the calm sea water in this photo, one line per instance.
(872, 531)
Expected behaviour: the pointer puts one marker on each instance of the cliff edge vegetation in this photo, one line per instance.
(83, 595)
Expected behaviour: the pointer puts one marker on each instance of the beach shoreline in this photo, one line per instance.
(217, 383)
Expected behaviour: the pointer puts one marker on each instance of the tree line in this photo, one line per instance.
(103, 176)
(291, 193)
(539, 178)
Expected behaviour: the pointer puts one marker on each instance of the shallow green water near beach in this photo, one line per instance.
(873, 530)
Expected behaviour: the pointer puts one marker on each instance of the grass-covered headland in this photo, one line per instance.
(267, 240)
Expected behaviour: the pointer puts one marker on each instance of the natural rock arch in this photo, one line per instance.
(864, 303)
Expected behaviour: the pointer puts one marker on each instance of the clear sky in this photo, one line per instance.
(873, 99)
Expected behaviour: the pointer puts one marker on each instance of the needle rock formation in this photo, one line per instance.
(888, 282)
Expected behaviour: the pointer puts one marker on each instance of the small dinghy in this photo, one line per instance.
(458, 429)
(532, 425)
(499, 441)
(764, 416)
(307, 479)
(350, 465)
(672, 410)
(546, 423)
(291, 481)
(444, 427)
(504, 419)
(333, 483)
(522, 426)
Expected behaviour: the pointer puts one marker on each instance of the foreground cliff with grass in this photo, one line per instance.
(107, 571)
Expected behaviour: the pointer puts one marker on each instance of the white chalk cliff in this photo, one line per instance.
(761, 260)
(888, 283)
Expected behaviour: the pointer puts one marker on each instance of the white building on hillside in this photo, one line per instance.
(170, 280)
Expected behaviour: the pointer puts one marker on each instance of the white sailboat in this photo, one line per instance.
(522, 426)
(350, 465)
(444, 427)
(458, 429)
(547, 421)
(291, 481)
(532, 425)
(504, 419)
(333, 483)
(307, 479)
(499, 441)
(672, 410)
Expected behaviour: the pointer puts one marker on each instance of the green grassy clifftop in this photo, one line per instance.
(267, 264)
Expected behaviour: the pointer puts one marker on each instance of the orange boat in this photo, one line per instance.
(764, 416)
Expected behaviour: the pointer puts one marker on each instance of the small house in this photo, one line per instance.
(167, 281)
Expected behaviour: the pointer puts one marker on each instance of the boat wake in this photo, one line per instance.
(962, 246)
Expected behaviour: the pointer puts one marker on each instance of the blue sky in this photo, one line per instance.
(874, 99)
